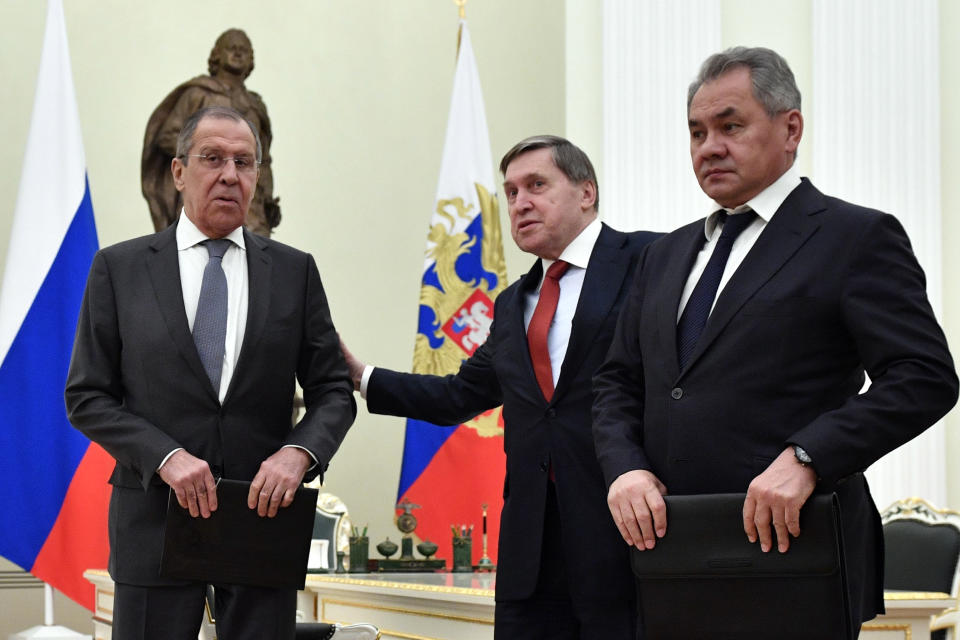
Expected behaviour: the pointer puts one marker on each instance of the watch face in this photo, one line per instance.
(406, 522)
(802, 455)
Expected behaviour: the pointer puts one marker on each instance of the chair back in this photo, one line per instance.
(922, 547)
(922, 553)
(332, 524)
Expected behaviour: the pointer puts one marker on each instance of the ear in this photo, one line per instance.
(794, 122)
(176, 167)
(588, 195)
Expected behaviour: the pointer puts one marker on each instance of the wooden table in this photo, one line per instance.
(459, 606)
(408, 606)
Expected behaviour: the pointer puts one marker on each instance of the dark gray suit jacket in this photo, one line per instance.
(136, 385)
(829, 290)
(538, 433)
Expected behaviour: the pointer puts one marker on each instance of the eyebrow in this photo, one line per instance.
(527, 177)
(726, 113)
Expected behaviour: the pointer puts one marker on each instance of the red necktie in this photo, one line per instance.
(540, 327)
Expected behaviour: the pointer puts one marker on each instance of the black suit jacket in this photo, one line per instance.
(537, 433)
(136, 385)
(829, 290)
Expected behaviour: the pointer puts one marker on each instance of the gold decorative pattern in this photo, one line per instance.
(466, 591)
(416, 612)
(907, 631)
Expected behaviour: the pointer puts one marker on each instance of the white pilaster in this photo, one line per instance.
(652, 50)
(876, 142)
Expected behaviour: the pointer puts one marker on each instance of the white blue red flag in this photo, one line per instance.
(451, 471)
(54, 493)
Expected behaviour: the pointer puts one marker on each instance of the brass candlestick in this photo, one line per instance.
(485, 563)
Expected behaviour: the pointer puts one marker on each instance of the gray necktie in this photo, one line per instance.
(210, 324)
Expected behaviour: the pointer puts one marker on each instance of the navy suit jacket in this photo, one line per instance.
(828, 291)
(538, 433)
(136, 385)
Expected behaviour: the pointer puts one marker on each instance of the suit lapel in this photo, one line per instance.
(259, 267)
(791, 226)
(515, 321)
(674, 275)
(601, 286)
(163, 265)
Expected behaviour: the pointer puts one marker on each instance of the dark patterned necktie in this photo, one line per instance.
(540, 326)
(210, 323)
(695, 314)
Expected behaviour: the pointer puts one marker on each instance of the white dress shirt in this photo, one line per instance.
(577, 254)
(765, 204)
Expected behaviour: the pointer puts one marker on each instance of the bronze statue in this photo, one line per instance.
(230, 62)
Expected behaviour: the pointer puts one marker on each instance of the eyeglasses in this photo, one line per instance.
(215, 162)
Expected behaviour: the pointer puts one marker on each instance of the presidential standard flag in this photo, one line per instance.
(451, 471)
(54, 492)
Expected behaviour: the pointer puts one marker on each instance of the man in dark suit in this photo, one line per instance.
(178, 410)
(761, 394)
(561, 572)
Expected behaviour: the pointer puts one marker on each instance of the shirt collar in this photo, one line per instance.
(765, 203)
(188, 235)
(577, 253)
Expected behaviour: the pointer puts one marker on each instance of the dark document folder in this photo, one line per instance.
(704, 579)
(235, 545)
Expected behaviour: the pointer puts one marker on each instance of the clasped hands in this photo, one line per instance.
(273, 487)
(771, 511)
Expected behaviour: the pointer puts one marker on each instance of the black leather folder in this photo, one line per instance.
(704, 579)
(235, 545)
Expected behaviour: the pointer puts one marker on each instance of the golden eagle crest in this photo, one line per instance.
(456, 298)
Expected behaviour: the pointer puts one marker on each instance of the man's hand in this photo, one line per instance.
(775, 497)
(277, 480)
(354, 366)
(192, 482)
(636, 504)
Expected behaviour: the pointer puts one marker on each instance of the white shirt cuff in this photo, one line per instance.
(167, 457)
(305, 450)
(365, 380)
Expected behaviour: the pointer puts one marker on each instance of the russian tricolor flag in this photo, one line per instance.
(453, 471)
(54, 493)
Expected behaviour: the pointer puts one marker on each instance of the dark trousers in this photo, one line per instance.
(176, 613)
(550, 613)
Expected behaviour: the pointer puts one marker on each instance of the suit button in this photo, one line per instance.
(544, 466)
(677, 393)
(551, 413)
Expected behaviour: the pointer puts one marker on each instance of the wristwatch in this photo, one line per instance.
(802, 456)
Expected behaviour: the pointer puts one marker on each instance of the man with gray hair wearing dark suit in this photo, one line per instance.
(188, 346)
(740, 354)
(561, 574)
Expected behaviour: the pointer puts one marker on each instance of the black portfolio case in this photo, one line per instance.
(235, 545)
(704, 579)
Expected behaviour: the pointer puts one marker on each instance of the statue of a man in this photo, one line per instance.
(230, 62)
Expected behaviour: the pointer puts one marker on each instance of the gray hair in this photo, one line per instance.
(185, 139)
(569, 158)
(773, 83)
